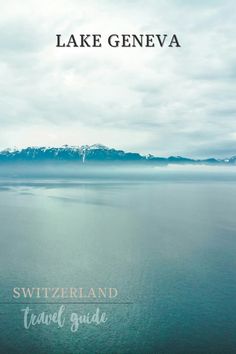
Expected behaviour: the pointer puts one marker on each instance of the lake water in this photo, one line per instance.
(168, 245)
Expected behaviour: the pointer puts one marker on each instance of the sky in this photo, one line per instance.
(163, 101)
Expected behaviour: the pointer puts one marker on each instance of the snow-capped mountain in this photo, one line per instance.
(68, 153)
(96, 153)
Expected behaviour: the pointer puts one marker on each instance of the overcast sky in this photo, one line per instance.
(178, 101)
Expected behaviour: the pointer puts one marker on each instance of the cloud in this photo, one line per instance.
(162, 101)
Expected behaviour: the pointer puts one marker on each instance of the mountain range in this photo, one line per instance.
(98, 153)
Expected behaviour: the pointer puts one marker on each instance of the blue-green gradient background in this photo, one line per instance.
(167, 244)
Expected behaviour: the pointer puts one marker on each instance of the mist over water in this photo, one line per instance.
(114, 171)
(165, 237)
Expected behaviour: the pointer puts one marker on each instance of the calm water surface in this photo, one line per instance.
(168, 245)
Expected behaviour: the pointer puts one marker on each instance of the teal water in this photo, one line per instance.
(167, 245)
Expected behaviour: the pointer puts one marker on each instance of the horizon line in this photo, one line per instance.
(99, 145)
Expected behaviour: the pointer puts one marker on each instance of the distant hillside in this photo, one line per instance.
(97, 153)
